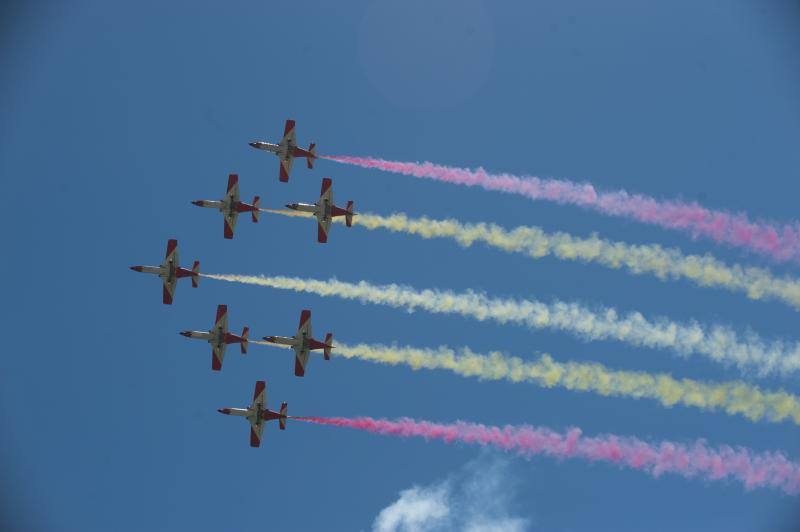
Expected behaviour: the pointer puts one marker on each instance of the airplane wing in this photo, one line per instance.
(233, 187)
(326, 194)
(286, 167)
(172, 253)
(221, 321)
(323, 224)
(169, 290)
(288, 142)
(217, 355)
(230, 223)
(289, 139)
(259, 404)
(259, 396)
(305, 325)
(256, 429)
(171, 258)
(300, 360)
(218, 350)
(325, 206)
(231, 197)
(301, 349)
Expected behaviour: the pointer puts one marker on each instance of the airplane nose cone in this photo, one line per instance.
(223, 410)
(187, 334)
(136, 268)
(199, 203)
(253, 144)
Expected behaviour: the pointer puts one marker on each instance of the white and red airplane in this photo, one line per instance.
(303, 343)
(325, 211)
(170, 271)
(258, 414)
(287, 150)
(230, 206)
(219, 337)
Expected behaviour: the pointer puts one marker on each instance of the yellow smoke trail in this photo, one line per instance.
(733, 398)
(719, 343)
(664, 263)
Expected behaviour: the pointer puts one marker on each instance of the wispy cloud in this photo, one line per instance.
(475, 499)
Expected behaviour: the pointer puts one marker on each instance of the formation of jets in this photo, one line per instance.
(219, 337)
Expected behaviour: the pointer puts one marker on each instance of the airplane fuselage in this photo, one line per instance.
(303, 207)
(322, 211)
(284, 151)
(277, 149)
(284, 340)
(224, 206)
(165, 272)
(254, 415)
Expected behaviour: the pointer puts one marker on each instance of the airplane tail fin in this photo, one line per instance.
(243, 345)
(255, 212)
(348, 217)
(195, 274)
(312, 154)
(328, 346)
(284, 415)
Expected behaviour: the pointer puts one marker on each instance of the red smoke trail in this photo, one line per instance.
(780, 243)
(771, 469)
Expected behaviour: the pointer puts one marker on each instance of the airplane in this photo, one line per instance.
(303, 343)
(170, 271)
(287, 150)
(219, 337)
(257, 414)
(325, 211)
(230, 206)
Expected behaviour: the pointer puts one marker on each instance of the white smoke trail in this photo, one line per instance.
(718, 343)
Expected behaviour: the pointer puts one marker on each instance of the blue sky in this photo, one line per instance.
(117, 114)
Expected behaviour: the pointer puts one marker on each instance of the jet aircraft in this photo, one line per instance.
(287, 150)
(170, 271)
(303, 343)
(219, 337)
(257, 413)
(325, 211)
(230, 206)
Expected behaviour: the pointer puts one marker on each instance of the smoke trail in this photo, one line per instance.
(754, 470)
(704, 270)
(719, 343)
(733, 398)
(781, 243)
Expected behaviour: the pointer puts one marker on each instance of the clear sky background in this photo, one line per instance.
(116, 114)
